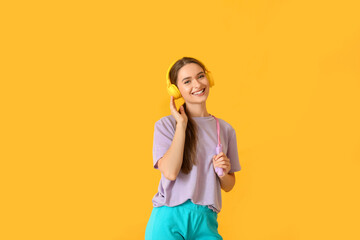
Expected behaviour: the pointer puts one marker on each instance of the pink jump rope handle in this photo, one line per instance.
(219, 171)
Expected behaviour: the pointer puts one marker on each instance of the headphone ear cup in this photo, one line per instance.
(174, 91)
(210, 77)
(171, 88)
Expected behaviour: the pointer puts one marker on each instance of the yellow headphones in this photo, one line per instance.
(174, 91)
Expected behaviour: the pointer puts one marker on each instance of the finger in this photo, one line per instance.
(224, 166)
(215, 159)
(224, 163)
(221, 162)
(218, 165)
(172, 104)
(221, 154)
(220, 159)
(215, 163)
(171, 100)
(226, 158)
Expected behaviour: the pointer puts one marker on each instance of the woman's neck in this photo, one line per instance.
(198, 110)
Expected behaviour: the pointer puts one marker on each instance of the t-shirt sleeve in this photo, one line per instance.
(163, 135)
(232, 153)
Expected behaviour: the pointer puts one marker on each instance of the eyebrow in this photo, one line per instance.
(190, 77)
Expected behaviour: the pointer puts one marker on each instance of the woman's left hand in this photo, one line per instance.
(221, 160)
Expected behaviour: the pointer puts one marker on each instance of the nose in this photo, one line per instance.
(196, 83)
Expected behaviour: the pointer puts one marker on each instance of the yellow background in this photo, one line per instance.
(83, 82)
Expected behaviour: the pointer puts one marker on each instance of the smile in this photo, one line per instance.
(199, 93)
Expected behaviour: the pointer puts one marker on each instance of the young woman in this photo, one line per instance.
(188, 200)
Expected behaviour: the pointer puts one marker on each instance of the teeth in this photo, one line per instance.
(197, 93)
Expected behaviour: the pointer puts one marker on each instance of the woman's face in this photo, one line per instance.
(192, 79)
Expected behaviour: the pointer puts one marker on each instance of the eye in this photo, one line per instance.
(201, 75)
(186, 81)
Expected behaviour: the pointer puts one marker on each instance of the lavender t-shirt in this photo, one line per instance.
(201, 185)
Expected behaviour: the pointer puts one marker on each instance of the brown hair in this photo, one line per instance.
(189, 156)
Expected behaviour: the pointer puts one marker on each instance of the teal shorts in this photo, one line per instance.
(187, 221)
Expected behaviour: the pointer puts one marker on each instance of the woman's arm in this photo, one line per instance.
(170, 163)
(227, 182)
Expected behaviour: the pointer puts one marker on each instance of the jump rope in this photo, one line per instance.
(175, 92)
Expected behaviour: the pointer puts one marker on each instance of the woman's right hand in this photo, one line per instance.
(181, 117)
